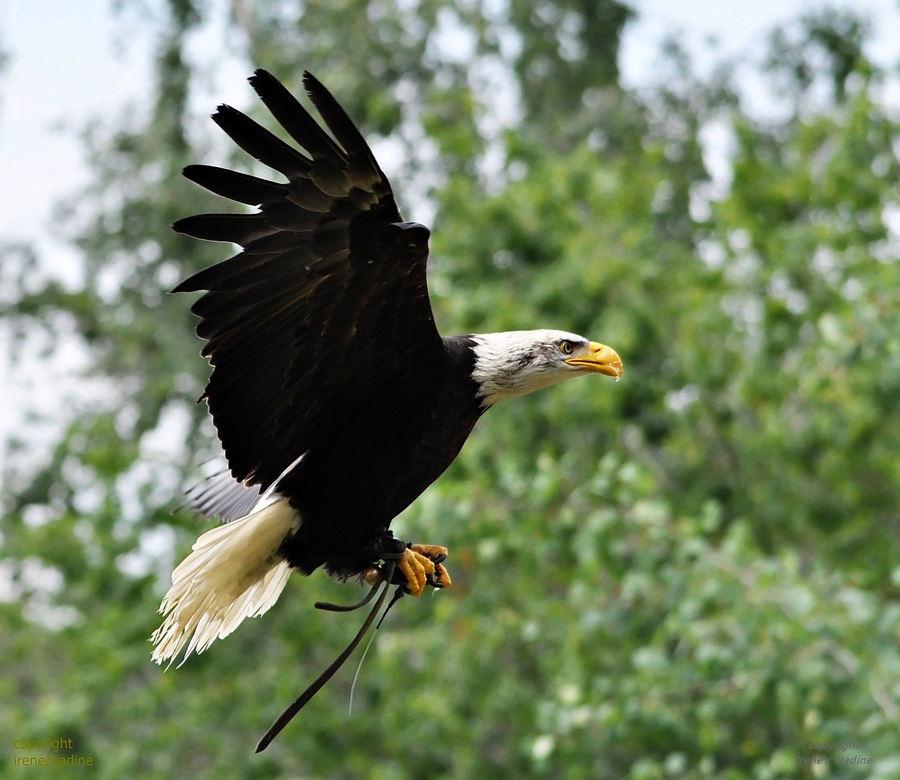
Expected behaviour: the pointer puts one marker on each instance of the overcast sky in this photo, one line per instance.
(70, 62)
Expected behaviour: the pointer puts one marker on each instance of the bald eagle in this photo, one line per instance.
(335, 399)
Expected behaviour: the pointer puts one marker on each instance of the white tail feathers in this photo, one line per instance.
(234, 572)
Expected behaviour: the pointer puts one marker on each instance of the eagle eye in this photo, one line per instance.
(566, 347)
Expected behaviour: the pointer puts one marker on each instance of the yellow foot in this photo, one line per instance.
(422, 564)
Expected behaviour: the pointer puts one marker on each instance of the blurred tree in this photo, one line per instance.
(690, 574)
(808, 241)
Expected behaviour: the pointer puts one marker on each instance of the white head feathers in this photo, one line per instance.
(517, 362)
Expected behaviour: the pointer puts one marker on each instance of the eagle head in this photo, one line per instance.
(517, 362)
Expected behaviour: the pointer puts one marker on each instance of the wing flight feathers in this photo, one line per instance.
(258, 142)
(294, 118)
(240, 187)
(338, 122)
(328, 296)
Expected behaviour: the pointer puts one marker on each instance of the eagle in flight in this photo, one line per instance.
(335, 399)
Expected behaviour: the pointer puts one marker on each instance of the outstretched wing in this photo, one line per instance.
(328, 299)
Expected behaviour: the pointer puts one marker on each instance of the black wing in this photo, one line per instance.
(327, 301)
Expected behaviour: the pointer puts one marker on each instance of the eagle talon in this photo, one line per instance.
(421, 565)
(440, 578)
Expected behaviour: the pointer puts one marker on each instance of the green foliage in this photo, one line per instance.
(690, 573)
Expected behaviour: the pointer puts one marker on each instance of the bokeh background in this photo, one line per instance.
(692, 573)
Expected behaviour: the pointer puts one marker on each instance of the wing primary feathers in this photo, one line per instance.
(243, 270)
(222, 276)
(338, 122)
(236, 228)
(240, 187)
(287, 216)
(294, 118)
(270, 288)
(260, 143)
(275, 244)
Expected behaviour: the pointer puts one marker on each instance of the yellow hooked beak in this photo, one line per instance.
(599, 358)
